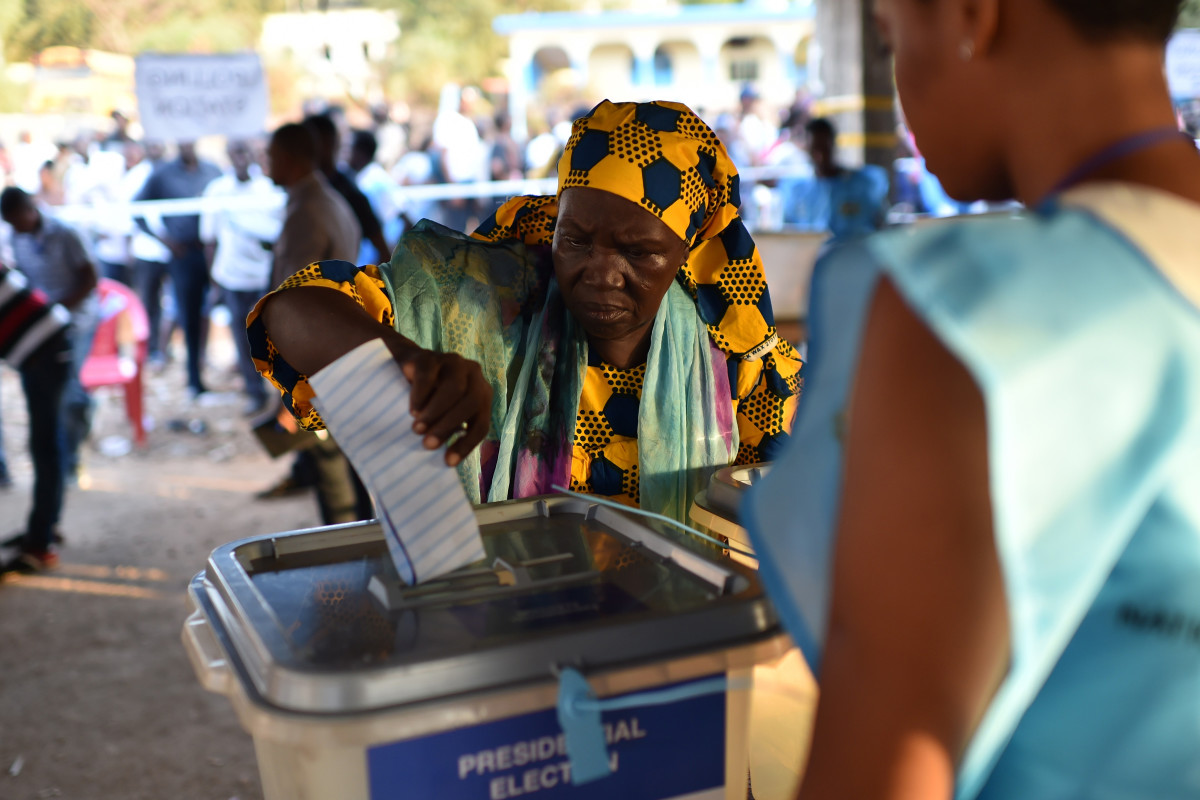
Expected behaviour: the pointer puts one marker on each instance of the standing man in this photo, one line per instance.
(237, 244)
(379, 187)
(318, 226)
(120, 136)
(318, 223)
(34, 342)
(150, 256)
(186, 176)
(329, 143)
(839, 200)
(459, 150)
(54, 259)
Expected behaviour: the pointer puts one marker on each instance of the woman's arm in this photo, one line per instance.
(918, 635)
(313, 326)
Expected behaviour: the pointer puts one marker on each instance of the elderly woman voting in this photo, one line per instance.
(616, 338)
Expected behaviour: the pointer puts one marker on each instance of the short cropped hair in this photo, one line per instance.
(323, 126)
(364, 142)
(1103, 20)
(821, 125)
(297, 141)
(13, 200)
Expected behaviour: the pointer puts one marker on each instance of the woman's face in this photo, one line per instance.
(950, 102)
(614, 261)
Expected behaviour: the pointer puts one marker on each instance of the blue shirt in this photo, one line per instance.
(1081, 328)
(52, 258)
(173, 181)
(848, 204)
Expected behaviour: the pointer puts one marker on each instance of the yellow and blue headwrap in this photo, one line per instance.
(663, 157)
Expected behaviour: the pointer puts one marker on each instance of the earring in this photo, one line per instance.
(966, 50)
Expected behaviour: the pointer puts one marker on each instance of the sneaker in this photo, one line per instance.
(288, 487)
(31, 563)
(18, 539)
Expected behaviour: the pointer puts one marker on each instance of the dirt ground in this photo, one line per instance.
(97, 697)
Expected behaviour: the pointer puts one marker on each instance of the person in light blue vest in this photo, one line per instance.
(841, 201)
(984, 533)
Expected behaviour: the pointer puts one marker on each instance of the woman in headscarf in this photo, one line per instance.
(616, 338)
(993, 566)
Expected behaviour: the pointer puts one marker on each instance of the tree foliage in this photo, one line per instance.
(1191, 14)
(453, 40)
(131, 26)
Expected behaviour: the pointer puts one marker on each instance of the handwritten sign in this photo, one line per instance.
(184, 97)
(1183, 65)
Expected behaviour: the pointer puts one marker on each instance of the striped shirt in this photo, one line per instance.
(27, 318)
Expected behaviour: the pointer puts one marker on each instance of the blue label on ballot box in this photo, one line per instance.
(656, 753)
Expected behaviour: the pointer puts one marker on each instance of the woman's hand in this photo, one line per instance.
(313, 326)
(449, 396)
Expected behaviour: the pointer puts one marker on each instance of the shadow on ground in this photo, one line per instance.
(97, 698)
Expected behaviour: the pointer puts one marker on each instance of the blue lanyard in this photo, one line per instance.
(1113, 153)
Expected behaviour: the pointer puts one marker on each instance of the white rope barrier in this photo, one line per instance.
(403, 195)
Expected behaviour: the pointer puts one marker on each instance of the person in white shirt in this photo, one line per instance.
(457, 146)
(416, 168)
(28, 156)
(112, 225)
(237, 242)
(756, 133)
(378, 186)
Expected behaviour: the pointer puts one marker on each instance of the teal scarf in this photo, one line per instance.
(497, 303)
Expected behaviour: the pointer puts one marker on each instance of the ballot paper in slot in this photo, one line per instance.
(426, 518)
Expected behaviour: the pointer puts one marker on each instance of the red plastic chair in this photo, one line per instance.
(119, 350)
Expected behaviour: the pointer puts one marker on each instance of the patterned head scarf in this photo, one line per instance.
(663, 157)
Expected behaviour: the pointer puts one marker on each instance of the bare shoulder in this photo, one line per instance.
(918, 634)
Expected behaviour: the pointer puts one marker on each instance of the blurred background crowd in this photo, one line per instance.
(417, 111)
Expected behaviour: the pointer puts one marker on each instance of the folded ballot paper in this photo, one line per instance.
(427, 520)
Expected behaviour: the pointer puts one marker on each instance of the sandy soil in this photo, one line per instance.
(97, 697)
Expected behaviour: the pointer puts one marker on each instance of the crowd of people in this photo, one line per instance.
(69, 225)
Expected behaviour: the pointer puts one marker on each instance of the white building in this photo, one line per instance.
(341, 51)
(701, 55)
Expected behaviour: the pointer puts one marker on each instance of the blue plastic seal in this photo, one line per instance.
(579, 716)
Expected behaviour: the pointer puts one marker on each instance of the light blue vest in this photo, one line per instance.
(1089, 363)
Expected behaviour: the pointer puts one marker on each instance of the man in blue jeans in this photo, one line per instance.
(33, 340)
(186, 176)
(56, 262)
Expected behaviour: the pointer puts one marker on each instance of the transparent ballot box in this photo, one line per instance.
(354, 685)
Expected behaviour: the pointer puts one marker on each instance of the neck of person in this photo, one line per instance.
(302, 177)
(831, 170)
(1082, 106)
(624, 353)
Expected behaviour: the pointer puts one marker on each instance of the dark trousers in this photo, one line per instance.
(457, 213)
(76, 422)
(189, 276)
(116, 271)
(44, 375)
(148, 278)
(341, 495)
(240, 304)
